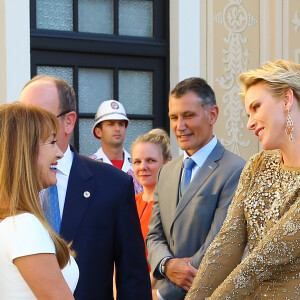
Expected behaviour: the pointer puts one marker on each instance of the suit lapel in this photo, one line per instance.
(79, 194)
(173, 184)
(200, 178)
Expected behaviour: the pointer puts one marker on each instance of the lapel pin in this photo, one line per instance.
(86, 194)
(210, 167)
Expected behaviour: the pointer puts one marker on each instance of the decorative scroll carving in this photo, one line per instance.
(236, 20)
(297, 56)
(296, 21)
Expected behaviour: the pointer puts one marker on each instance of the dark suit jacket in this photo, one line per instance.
(187, 229)
(100, 217)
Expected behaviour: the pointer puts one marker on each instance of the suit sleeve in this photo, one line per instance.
(132, 274)
(156, 241)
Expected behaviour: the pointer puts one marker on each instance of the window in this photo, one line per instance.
(107, 50)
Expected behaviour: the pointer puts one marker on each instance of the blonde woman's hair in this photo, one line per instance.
(22, 129)
(278, 76)
(158, 137)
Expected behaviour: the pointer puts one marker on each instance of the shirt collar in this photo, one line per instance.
(201, 155)
(64, 164)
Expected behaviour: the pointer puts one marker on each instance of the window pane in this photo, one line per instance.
(135, 91)
(94, 86)
(95, 16)
(136, 18)
(54, 14)
(134, 129)
(88, 144)
(65, 73)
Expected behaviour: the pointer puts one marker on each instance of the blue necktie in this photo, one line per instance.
(52, 212)
(188, 165)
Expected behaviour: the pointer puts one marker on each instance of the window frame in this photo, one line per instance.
(118, 52)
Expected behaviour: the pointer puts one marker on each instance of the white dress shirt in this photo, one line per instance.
(201, 155)
(62, 174)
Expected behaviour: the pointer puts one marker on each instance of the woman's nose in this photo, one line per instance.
(143, 165)
(251, 124)
(59, 153)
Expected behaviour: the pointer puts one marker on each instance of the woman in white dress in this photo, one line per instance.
(35, 262)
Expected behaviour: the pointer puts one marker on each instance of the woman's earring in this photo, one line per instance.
(289, 126)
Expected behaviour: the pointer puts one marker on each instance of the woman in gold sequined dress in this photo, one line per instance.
(256, 255)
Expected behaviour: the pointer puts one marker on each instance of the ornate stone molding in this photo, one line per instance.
(296, 21)
(236, 20)
(297, 56)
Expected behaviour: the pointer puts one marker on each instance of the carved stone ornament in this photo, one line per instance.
(236, 20)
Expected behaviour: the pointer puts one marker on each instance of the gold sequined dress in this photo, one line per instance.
(256, 254)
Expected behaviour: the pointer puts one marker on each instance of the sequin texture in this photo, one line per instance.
(256, 254)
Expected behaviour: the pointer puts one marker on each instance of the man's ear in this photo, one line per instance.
(98, 132)
(70, 120)
(213, 114)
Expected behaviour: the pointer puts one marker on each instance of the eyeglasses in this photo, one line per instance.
(63, 113)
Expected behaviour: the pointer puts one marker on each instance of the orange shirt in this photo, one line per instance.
(144, 211)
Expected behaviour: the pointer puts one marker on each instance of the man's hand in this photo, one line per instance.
(154, 294)
(181, 272)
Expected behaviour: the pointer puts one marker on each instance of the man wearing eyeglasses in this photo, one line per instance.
(99, 219)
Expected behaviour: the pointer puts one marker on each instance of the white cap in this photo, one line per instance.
(110, 110)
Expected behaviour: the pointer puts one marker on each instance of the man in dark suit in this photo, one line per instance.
(193, 191)
(97, 206)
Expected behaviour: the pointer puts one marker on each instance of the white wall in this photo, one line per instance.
(185, 50)
(14, 48)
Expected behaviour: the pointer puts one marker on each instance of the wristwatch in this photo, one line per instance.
(163, 265)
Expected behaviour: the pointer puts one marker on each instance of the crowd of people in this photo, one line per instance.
(203, 225)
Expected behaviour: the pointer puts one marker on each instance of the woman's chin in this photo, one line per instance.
(266, 146)
(48, 184)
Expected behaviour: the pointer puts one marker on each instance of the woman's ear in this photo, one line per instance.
(288, 99)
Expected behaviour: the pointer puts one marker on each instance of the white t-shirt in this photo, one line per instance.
(24, 235)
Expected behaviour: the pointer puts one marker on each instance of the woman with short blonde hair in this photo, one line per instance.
(257, 251)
